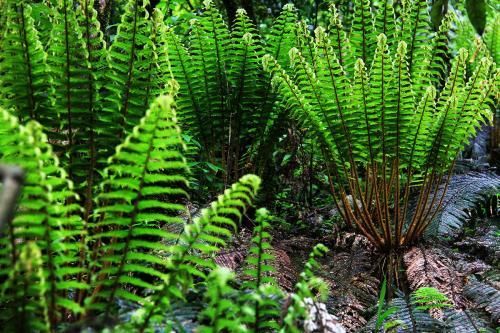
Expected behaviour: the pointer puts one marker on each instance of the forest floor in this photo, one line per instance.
(465, 267)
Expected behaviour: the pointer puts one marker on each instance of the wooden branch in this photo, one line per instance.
(12, 181)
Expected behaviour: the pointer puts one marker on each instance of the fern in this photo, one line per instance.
(221, 314)
(260, 304)
(69, 67)
(96, 50)
(408, 315)
(416, 31)
(466, 321)
(385, 130)
(142, 187)
(25, 288)
(42, 215)
(362, 31)
(485, 297)
(427, 298)
(463, 194)
(223, 102)
(25, 83)
(304, 290)
(204, 237)
(129, 74)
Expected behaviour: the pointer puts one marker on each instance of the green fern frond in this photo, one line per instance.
(128, 77)
(282, 36)
(260, 305)
(142, 188)
(474, 108)
(340, 44)
(190, 89)
(25, 290)
(306, 288)
(293, 99)
(381, 98)
(70, 70)
(432, 68)
(362, 34)
(428, 298)
(418, 142)
(89, 141)
(416, 32)
(199, 241)
(25, 83)
(247, 86)
(221, 315)
(491, 36)
(209, 43)
(398, 122)
(385, 20)
(363, 120)
(446, 109)
(45, 214)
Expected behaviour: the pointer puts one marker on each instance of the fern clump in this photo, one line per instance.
(384, 122)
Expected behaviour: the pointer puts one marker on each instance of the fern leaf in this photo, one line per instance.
(209, 43)
(261, 306)
(362, 34)
(43, 215)
(416, 33)
(385, 20)
(89, 141)
(221, 314)
(446, 108)
(201, 239)
(463, 193)
(432, 268)
(485, 297)
(332, 80)
(491, 38)
(381, 98)
(408, 317)
(25, 82)
(25, 289)
(398, 123)
(363, 120)
(143, 183)
(340, 43)
(129, 76)
(247, 88)
(282, 36)
(69, 66)
(466, 321)
(189, 101)
(304, 290)
(294, 100)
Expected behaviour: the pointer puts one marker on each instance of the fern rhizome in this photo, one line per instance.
(117, 126)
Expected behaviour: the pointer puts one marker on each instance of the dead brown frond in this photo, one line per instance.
(432, 268)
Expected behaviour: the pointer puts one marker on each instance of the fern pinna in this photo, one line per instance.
(385, 124)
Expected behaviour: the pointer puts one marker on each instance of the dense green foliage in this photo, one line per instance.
(382, 123)
(124, 115)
